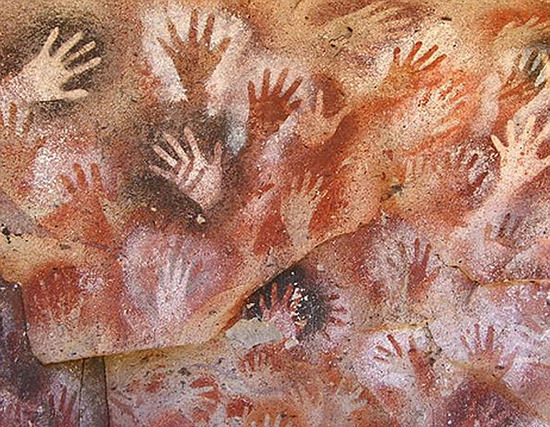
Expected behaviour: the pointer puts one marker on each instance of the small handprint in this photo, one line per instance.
(486, 357)
(418, 279)
(283, 312)
(467, 166)
(173, 281)
(299, 208)
(314, 128)
(63, 410)
(505, 234)
(402, 75)
(195, 176)
(194, 60)
(519, 160)
(49, 72)
(271, 109)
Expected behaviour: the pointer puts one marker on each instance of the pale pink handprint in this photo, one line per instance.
(194, 175)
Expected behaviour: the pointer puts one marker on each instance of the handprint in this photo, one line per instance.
(283, 312)
(418, 280)
(314, 128)
(46, 74)
(470, 176)
(271, 109)
(487, 358)
(350, 401)
(515, 34)
(173, 281)
(505, 233)
(195, 176)
(17, 152)
(402, 76)
(63, 411)
(299, 208)
(522, 84)
(83, 217)
(384, 355)
(519, 160)
(194, 60)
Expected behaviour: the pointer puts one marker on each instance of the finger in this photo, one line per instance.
(50, 40)
(167, 175)
(222, 47)
(280, 82)
(435, 63)
(170, 51)
(177, 42)
(72, 95)
(68, 45)
(192, 141)
(176, 146)
(529, 128)
(265, 84)
(397, 55)
(319, 103)
(12, 117)
(164, 156)
(81, 52)
(193, 24)
(531, 60)
(424, 58)
(27, 124)
(410, 57)
(496, 142)
(251, 93)
(416, 250)
(218, 151)
(67, 183)
(295, 105)
(383, 350)
(292, 89)
(489, 339)
(97, 182)
(84, 67)
(208, 30)
(80, 177)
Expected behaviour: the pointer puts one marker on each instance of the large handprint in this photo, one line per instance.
(195, 176)
(195, 61)
(270, 110)
(519, 160)
(46, 74)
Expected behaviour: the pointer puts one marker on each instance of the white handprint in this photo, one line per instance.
(46, 74)
(519, 160)
(197, 178)
(173, 280)
(298, 210)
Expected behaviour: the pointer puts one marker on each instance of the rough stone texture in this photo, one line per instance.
(339, 210)
(31, 394)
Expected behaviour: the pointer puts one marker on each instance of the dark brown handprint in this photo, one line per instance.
(195, 60)
(271, 109)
